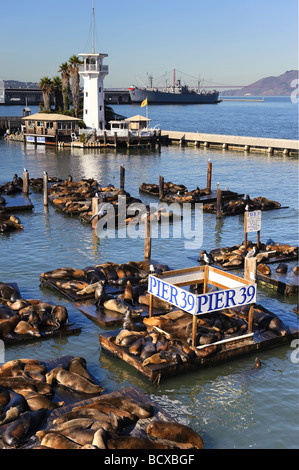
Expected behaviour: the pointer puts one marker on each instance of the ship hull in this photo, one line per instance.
(158, 97)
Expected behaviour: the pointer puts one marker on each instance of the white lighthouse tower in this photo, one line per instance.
(93, 72)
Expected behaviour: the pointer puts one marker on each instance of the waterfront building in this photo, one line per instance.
(43, 128)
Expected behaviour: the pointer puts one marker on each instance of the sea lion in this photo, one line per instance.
(78, 435)
(100, 295)
(76, 382)
(100, 439)
(13, 409)
(281, 268)
(24, 328)
(135, 348)
(60, 315)
(8, 325)
(64, 273)
(141, 410)
(36, 401)
(55, 440)
(128, 294)
(174, 432)
(264, 269)
(72, 285)
(20, 430)
(119, 306)
(82, 423)
(156, 321)
(6, 312)
(148, 349)
(93, 275)
(89, 289)
(296, 270)
(8, 292)
(154, 359)
(79, 413)
(257, 363)
(4, 397)
(127, 333)
(120, 415)
(18, 304)
(78, 365)
(132, 442)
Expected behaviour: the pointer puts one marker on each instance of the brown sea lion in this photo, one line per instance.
(60, 315)
(7, 325)
(157, 303)
(128, 294)
(156, 321)
(4, 396)
(281, 268)
(79, 435)
(174, 432)
(76, 382)
(78, 365)
(100, 439)
(24, 328)
(296, 270)
(141, 410)
(154, 359)
(83, 412)
(264, 269)
(148, 349)
(118, 414)
(64, 273)
(36, 401)
(18, 304)
(8, 292)
(132, 442)
(55, 440)
(124, 333)
(135, 348)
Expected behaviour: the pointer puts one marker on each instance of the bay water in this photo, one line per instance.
(232, 405)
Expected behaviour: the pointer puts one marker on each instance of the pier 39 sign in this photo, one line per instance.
(238, 294)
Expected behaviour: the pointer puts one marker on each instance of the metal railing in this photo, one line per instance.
(93, 68)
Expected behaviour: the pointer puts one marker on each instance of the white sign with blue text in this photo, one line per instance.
(204, 303)
(254, 221)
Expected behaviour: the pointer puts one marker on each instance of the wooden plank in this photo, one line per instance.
(281, 287)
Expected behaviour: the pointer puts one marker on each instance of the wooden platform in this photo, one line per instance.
(204, 198)
(72, 399)
(106, 318)
(14, 339)
(281, 284)
(261, 340)
(18, 203)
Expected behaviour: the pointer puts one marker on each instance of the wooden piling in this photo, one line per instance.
(25, 183)
(250, 269)
(209, 176)
(147, 238)
(219, 204)
(122, 177)
(161, 187)
(45, 188)
(95, 208)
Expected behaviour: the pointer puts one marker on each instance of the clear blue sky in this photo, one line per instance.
(224, 41)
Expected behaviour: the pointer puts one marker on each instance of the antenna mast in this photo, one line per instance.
(93, 26)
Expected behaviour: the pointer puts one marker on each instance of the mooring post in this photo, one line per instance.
(161, 187)
(45, 188)
(245, 229)
(250, 269)
(122, 177)
(250, 319)
(151, 302)
(219, 204)
(25, 182)
(147, 237)
(95, 208)
(209, 176)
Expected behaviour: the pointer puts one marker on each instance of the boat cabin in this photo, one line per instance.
(43, 128)
(138, 122)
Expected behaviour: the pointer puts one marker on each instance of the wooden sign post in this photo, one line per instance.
(253, 223)
(209, 177)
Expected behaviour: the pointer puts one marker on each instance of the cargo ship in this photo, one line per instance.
(172, 94)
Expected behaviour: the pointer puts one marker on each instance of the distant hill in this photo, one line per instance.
(269, 86)
(16, 84)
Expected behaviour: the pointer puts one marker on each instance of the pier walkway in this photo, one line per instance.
(285, 146)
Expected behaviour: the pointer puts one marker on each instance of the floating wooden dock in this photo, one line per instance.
(232, 142)
(261, 340)
(18, 203)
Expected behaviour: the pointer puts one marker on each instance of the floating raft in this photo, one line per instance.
(193, 196)
(260, 340)
(286, 284)
(18, 203)
(14, 338)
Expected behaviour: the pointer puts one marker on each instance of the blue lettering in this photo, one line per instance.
(202, 300)
(164, 291)
(219, 300)
(153, 283)
(230, 294)
(211, 297)
(158, 290)
(173, 295)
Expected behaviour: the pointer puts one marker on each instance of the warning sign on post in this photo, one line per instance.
(254, 221)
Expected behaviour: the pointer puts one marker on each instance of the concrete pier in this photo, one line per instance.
(228, 142)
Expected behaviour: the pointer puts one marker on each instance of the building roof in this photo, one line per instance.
(137, 118)
(50, 117)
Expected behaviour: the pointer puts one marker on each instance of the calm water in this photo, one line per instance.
(232, 405)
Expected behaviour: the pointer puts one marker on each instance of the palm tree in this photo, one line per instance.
(57, 88)
(46, 86)
(74, 63)
(65, 78)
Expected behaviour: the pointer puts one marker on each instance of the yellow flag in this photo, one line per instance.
(144, 103)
